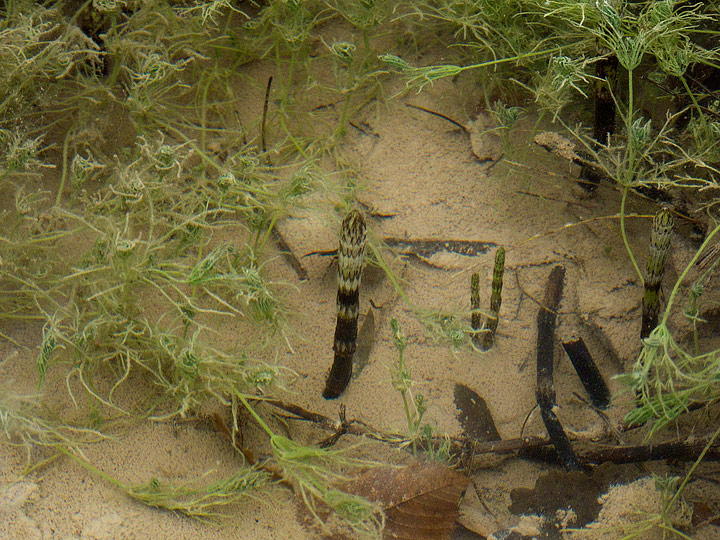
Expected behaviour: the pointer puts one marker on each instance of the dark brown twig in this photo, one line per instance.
(686, 450)
(588, 372)
(589, 453)
(342, 430)
(545, 391)
(439, 115)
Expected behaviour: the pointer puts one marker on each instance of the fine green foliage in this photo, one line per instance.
(24, 422)
(157, 230)
(420, 434)
(666, 377)
(197, 499)
(310, 471)
(140, 198)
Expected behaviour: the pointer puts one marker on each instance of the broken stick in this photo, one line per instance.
(545, 392)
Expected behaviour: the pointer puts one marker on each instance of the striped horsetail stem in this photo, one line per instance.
(351, 255)
(659, 247)
(475, 313)
(491, 323)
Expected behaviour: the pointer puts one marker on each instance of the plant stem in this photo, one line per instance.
(267, 233)
(90, 467)
(255, 415)
(629, 172)
(692, 96)
(624, 236)
(679, 281)
(388, 272)
(203, 115)
(692, 469)
(63, 176)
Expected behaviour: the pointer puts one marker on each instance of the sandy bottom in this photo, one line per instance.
(420, 180)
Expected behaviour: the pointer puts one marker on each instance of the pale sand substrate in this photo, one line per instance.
(420, 170)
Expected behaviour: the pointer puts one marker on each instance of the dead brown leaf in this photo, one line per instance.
(420, 501)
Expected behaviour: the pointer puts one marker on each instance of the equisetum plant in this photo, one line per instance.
(351, 256)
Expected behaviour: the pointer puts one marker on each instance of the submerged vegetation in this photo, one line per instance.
(129, 157)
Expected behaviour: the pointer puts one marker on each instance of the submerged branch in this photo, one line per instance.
(588, 453)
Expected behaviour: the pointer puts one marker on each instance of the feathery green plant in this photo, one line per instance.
(153, 270)
(667, 378)
(420, 434)
(149, 278)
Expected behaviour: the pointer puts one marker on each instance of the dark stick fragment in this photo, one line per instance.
(342, 430)
(655, 270)
(686, 449)
(546, 401)
(545, 391)
(351, 255)
(440, 115)
(590, 376)
(546, 325)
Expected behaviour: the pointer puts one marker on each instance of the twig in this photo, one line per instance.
(588, 372)
(604, 122)
(458, 445)
(686, 450)
(545, 391)
(335, 437)
(439, 115)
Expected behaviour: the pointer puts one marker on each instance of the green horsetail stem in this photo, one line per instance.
(491, 323)
(659, 248)
(475, 313)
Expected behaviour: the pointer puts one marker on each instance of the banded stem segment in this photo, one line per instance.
(351, 255)
(659, 247)
(475, 313)
(495, 300)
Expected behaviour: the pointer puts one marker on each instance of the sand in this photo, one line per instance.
(419, 179)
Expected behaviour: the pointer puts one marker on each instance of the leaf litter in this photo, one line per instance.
(420, 501)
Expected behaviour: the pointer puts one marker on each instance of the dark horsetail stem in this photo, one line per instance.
(351, 255)
(475, 313)
(659, 247)
(491, 321)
